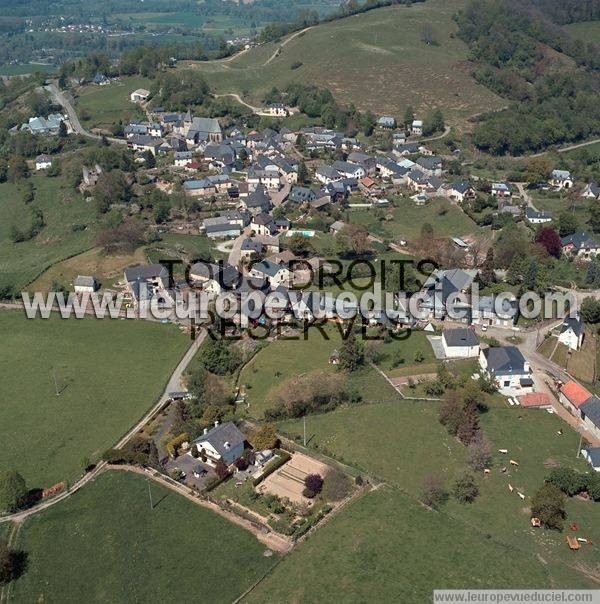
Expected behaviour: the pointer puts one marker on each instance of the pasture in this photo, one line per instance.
(586, 31)
(106, 544)
(285, 359)
(102, 106)
(108, 374)
(391, 66)
(70, 227)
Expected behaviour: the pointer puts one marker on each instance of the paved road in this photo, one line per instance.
(173, 385)
(235, 254)
(59, 98)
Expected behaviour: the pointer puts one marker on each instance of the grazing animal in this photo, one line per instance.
(514, 463)
(510, 488)
(503, 451)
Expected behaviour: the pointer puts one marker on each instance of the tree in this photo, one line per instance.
(13, 491)
(549, 239)
(488, 274)
(409, 117)
(125, 238)
(299, 245)
(313, 483)
(12, 563)
(351, 353)
(62, 130)
(433, 122)
(548, 504)
(303, 176)
(265, 437)
(590, 310)
(594, 212)
(479, 455)
(538, 169)
(433, 492)
(465, 488)
(149, 159)
(567, 224)
(353, 240)
(17, 168)
(567, 480)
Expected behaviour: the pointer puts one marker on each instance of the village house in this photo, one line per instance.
(417, 128)
(561, 179)
(348, 170)
(501, 189)
(42, 125)
(182, 158)
(431, 165)
(84, 284)
(386, 122)
(495, 312)
(571, 333)
(572, 395)
(212, 184)
(147, 282)
(100, 80)
(590, 415)
(43, 162)
(460, 343)
(214, 278)
(139, 95)
(263, 224)
(276, 274)
(251, 247)
(580, 244)
(326, 174)
(459, 191)
(256, 202)
(221, 227)
(267, 178)
(302, 194)
(508, 367)
(336, 227)
(537, 217)
(223, 443)
(277, 110)
(591, 191)
(144, 142)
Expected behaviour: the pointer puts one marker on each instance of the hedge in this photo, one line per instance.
(274, 464)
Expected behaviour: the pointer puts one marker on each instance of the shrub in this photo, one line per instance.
(433, 492)
(465, 488)
(548, 504)
(241, 464)
(336, 485)
(314, 483)
(567, 480)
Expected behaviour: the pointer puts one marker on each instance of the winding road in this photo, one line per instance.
(59, 98)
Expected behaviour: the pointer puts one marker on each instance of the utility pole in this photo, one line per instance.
(304, 421)
(579, 447)
(150, 494)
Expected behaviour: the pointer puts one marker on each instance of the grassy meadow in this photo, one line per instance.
(376, 60)
(108, 374)
(103, 106)
(586, 31)
(70, 228)
(105, 544)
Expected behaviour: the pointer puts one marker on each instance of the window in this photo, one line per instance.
(506, 383)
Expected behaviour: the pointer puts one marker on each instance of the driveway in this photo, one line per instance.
(186, 463)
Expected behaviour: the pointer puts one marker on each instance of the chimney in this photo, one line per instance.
(205, 430)
(227, 446)
(216, 423)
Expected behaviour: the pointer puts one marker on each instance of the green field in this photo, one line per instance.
(24, 68)
(102, 106)
(586, 31)
(105, 545)
(285, 359)
(109, 373)
(447, 220)
(63, 208)
(387, 548)
(376, 60)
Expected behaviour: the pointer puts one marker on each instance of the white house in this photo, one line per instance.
(276, 274)
(580, 244)
(139, 95)
(571, 333)
(223, 443)
(500, 189)
(43, 162)
(508, 367)
(84, 284)
(561, 179)
(590, 415)
(277, 110)
(417, 127)
(591, 191)
(536, 217)
(460, 343)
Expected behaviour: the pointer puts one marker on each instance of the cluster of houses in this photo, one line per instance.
(44, 125)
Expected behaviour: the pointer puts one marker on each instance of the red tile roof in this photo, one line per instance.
(367, 181)
(535, 399)
(576, 394)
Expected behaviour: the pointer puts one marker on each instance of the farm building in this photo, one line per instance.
(572, 396)
(460, 343)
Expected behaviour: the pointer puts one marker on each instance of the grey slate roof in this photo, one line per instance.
(146, 272)
(591, 409)
(505, 360)
(574, 323)
(594, 456)
(460, 337)
(221, 434)
(579, 240)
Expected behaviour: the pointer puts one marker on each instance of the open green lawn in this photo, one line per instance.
(284, 359)
(586, 31)
(63, 209)
(105, 545)
(387, 548)
(102, 106)
(447, 220)
(110, 373)
(402, 443)
(376, 60)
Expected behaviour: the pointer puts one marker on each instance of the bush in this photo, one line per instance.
(241, 464)
(433, 492)
(548, 504)
(466, 489)
(336, 485)
(567, 480)
(314, 483)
